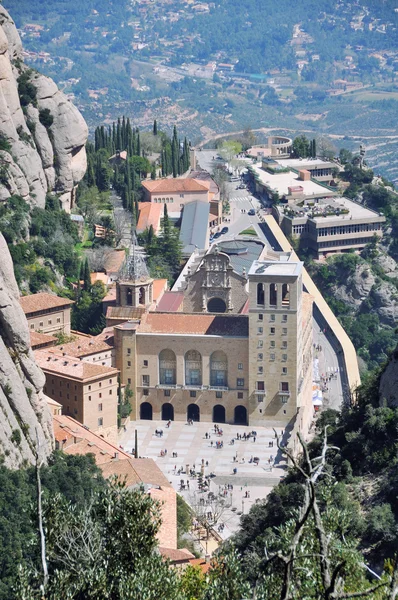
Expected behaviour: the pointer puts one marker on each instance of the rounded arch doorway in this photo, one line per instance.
(193, 412)
(240, 415)
(146, 411)
(218, 414)
(216, 305)
(167, 412)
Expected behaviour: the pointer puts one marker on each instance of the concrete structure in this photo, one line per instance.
(194, 231)
(319, 169)
(280, 146)
(330, 225)
(87, 392)
(47, 313)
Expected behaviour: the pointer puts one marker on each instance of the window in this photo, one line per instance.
(259, 330)
(100, 395)
(272, 330)
(272, 318)
(110, 392)
(100, 384)
(284, 370)
(240, 366)
(32, 326)
(284, 344)
(129, 363)
(272, 343)
(284, 386)
(192, 394)
(145, 380)
(260, 343)
(41, 324)
(284, 357)
(100, 407)
(260, 293)
(128, 351)
(129, 380)
(260, 399)
(167, 367)
(284, 330)
(260, 356)
(75, 411)
(240, 382)
(89, 397)
(181, 195)
(167, 392)
(67, 395)
(145, 392)
(145, 363)
(284, 318)
(260, 370)
(240, 395)
(50, 322)
(260, 317)
(218, 394)
(260, 386)
(100, 422)
(110, 381)
(58, 320)
(272, 357)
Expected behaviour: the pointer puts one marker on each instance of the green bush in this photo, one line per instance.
(46, 117)
(26, 90)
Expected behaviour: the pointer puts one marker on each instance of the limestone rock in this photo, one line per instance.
(357, 288)
(385, 297)
(389, 382)
(388, 264)
(54, 157)
(25, 417)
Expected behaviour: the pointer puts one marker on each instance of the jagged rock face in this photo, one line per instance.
(357, 288)
(389, 382)
(25, 419)
(49, 158)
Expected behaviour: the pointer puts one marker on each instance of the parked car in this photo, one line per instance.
(224, 230)
(251, 212)
(217, 235)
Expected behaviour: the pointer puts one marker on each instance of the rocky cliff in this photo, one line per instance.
(42, 134)
(389, 382)
(25, 420)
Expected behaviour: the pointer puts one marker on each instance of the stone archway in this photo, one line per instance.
(240, 415)
(167, 412)
(218, 414)
(216, 305)
(193, 412)
(146, 411)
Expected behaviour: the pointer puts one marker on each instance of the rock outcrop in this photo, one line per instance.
(388, 390)
(25, 420)
(43, 135)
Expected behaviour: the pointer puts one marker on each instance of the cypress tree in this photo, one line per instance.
(153, 172)
(314, 148)
(123, 135)
(138, 143)
(155, 127)
(86, 276)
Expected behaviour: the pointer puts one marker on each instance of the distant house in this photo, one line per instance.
(118, 158)
(47, 313)
(176, 192)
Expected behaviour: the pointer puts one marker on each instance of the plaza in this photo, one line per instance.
(251, 482)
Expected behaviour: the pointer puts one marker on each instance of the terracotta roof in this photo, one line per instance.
(87, 346)
(181, 555)
(111, 295)
(166, 186)
(124, 312)
(99, 277)
(201, 563)
(114, 261)
(150, 214)
(206, 179)
(196, 324)
(171, 302)
(38, 340)
(158, 288)
(43, 301)
(71, 367)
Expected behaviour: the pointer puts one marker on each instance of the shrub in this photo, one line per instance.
(26, 90)
(46, 117)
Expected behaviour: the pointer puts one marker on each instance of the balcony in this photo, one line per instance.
(218, 388)
(168, 386)
(260, 392)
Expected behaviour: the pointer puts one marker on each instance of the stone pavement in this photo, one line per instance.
(191, 446)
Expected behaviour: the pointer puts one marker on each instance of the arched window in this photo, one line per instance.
(260, 293)
(193, 368)
(273, 294)
(129, 297)
(285, 294)
(167, 367)
(141, 297)
(216, 305)
(218, 369)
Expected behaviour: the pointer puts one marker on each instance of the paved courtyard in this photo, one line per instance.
(251, 481)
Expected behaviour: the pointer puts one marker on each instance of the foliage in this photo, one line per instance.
(74, 477)
(45, 117)
(87, 315)
(26, 90)
(164, 251)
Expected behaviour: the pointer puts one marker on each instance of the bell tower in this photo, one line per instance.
(134, 287)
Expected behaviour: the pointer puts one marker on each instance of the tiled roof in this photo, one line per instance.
(180, 555)
(166, 186)
(38, 340)
(71, 367)
(87, 346)
(114, 261)
(124, 312)
(158, 288)
(206, 179)
(195, 324)
(66, 428)
(150, 214)
(98, 276)
(43, 301)
(170, 302)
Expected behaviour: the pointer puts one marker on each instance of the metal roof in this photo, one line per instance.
(241, 253)
(194, 226)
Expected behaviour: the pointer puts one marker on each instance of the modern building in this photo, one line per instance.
(88, 392)
(47, 313)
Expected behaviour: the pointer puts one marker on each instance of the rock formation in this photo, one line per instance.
(25, 420)
(388, 391)
(42, 134)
